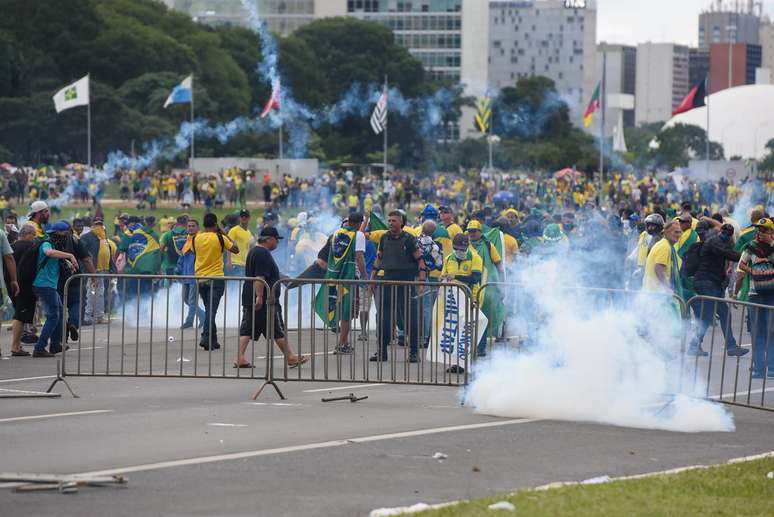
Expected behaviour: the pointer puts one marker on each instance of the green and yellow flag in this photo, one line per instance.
(334, 302)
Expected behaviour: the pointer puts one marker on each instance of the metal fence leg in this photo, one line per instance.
(60, 378)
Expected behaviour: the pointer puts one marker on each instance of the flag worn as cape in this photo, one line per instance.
(143, 254)
(491, 305)
(334, 302)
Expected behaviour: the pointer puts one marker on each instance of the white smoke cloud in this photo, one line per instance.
(592, 360)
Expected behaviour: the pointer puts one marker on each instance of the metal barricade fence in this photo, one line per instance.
(374, 331)
(730, 349)
(153, 326)
(522, 307)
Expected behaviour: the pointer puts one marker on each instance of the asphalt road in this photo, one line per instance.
(202, 447)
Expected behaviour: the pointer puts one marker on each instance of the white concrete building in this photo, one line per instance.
(662, 81)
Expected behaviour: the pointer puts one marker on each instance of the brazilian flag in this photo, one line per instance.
(745, 239)
(143, 254)
(334, 302)
(492, 305)
(376, 223)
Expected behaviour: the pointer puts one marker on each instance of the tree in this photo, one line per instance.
(680, 143)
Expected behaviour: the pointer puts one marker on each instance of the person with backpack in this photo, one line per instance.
(42, 264)
(710, 279)
(209, 248)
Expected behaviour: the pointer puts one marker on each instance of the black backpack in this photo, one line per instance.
(27, 268)
(691, 261)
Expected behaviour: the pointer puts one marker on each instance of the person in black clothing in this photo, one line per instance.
(710, 280)
(76, 290)
(261, 266)
(23, 302)
(400, 259)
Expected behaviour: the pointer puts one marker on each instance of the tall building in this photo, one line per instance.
(528, 38)
(733, 65)
(698, 63)
(767, 44)
(662, 80)
(721, 25)
(620, 63)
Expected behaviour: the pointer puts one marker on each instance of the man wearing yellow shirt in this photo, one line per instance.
(464, 265)
(241, 236)
(662, 267)
(447, 218)
(210, 246)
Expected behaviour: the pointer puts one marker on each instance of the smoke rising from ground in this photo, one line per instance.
(584, 358)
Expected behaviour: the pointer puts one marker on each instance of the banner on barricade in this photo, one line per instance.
(452, 332)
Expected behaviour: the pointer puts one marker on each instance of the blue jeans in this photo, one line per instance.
(705, 311)
(191, 300)
(211, 291)
(52, 328)
(762, 333)
(428, 302)
(236, 271)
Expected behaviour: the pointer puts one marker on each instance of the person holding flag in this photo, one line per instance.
(491, 300)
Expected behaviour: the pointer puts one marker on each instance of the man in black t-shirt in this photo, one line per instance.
(400, 259)
(261, 266)
(77, 288)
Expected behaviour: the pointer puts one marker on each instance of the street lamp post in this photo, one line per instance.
(731, 31)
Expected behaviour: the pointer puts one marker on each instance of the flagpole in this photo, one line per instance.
(88, 133)
(386, 89)
(706, 134)
(193, 129)
(280, 140)
(603, 92)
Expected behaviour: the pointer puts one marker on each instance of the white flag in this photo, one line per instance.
(76, 94)
(379, 116)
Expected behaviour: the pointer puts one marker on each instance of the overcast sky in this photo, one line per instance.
(637, 21)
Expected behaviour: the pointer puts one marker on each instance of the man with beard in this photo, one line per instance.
(38, 218)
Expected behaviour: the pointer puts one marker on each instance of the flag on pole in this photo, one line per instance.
(594, 105)
(694, 99)
(274, 100)
(484, 115)
(379, 116)
(182, 93)
(76, 94)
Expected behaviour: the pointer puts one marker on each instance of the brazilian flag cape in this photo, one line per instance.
(334, 302)
(745, 239)
(492, 305)
(143, 254)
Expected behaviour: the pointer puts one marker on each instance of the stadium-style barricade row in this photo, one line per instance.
(715, 348)
(346, 330)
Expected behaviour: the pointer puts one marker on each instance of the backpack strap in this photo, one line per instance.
(222, 243)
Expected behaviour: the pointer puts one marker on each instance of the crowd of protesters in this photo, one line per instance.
(665, 235)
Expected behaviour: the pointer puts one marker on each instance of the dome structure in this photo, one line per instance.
(741, 119)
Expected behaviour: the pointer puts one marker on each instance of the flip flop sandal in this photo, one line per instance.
(245, 365)
(299, 362)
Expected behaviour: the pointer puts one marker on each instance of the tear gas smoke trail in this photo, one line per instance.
(589, 360)
(752, 193)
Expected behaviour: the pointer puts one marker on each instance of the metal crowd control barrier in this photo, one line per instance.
(146, 333)
(517, 306)
(373, 350)
(724, 329)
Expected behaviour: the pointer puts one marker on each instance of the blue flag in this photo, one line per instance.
(182, 93)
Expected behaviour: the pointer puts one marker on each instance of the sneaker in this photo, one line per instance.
(376, 357)
(362, 337)
(187, 326)
(103, 321)
(737, 352)
(206, 346)
(343, 350)
(30, 339)
(757, 375)
(413, 358)
(42, 353)
(455, 369)
(697, 352)
(72, 331)
(86, 323)
(401, 341)
(20, 353)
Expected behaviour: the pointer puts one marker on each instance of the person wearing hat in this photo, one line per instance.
(464, 265)
(38, 218)
(758, 260)
(491, 300)
(45, 288)
(261, 266)
(241, 235)
(447, 218)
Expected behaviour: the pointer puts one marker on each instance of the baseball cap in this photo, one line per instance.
(270, 216)
(269, 231)
(38, 206)
(244, 213)
(474, 225)
(444, 209)
(765, 223)
(461, 241)
(59, 226)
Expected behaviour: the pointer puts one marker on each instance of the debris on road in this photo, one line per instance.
(65, 484)
(440, 456)
(502, 505)
(351, 397)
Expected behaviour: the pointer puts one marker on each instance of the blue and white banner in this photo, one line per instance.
(182, 93)
(452, 338)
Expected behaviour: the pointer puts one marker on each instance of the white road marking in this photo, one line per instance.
(20, 379)
(338, 388)
(752, 392)
(24, 391)
(221, 424)
(54, 415)
(297, 448)
(75, 350)
(281, 404)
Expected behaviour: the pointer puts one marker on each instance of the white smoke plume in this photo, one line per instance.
(592, 358)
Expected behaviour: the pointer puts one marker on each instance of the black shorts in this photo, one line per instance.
(255, 327)
(24, 308)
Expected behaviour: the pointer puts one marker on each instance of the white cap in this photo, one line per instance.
(38, 206)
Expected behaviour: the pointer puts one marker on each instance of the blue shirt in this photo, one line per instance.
(48, 274)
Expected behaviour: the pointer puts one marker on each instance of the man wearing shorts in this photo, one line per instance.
(260, 265)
